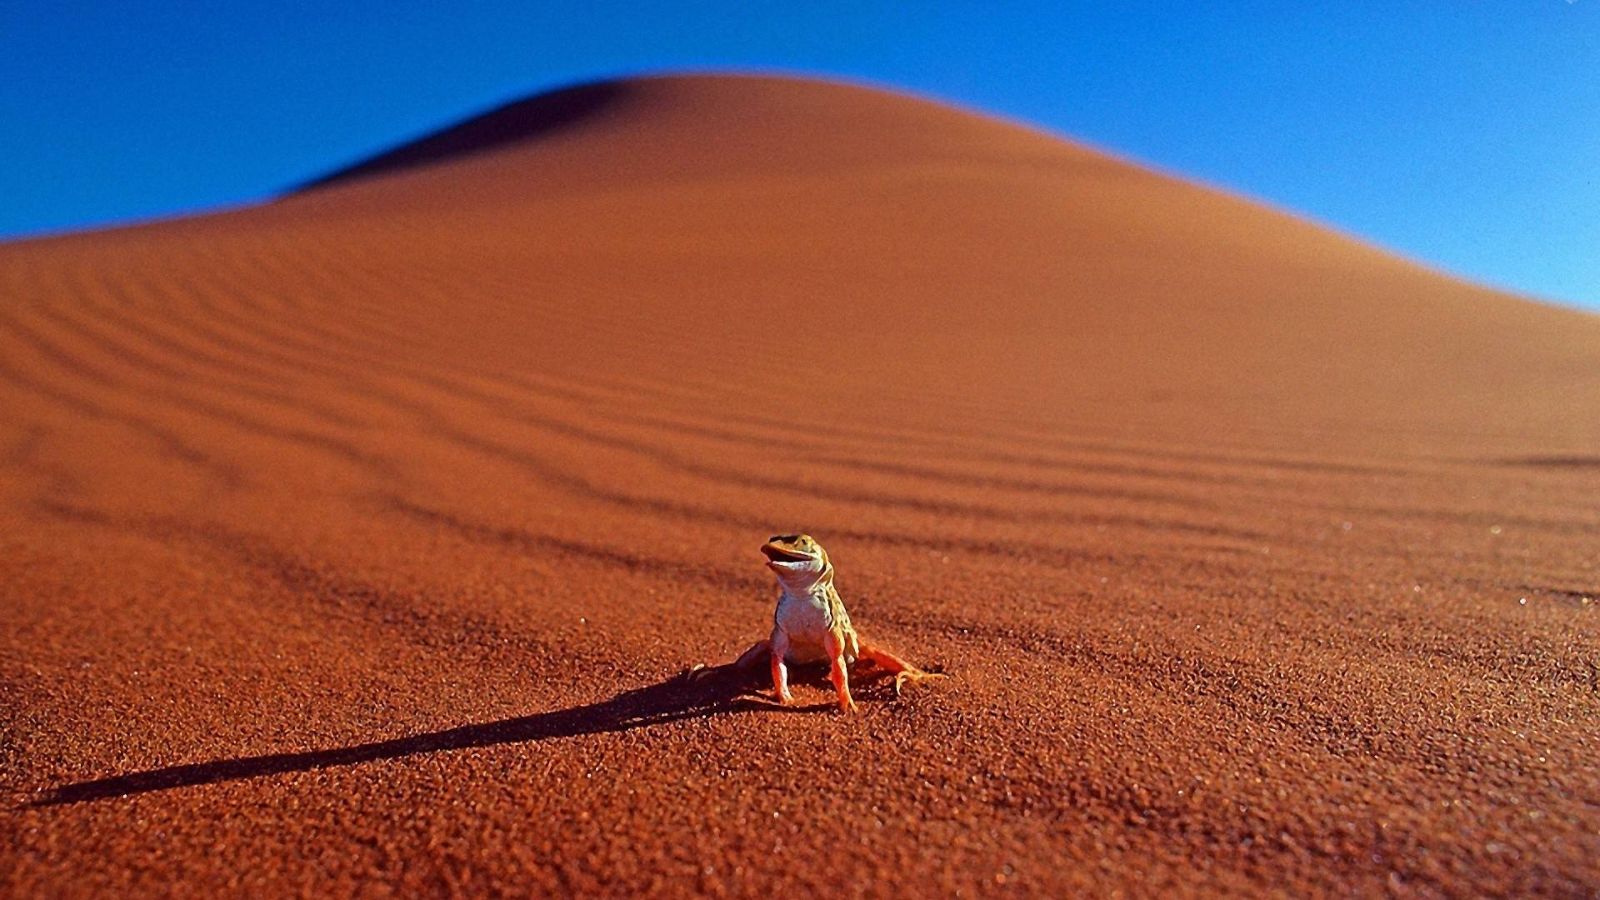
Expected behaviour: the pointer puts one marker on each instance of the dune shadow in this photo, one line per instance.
(514, 122)
(709, 692)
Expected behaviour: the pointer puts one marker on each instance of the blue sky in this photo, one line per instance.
(1465, 134)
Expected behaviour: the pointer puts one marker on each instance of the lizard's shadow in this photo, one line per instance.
(709, 692)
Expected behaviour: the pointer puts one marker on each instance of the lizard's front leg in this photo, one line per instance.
(780, 672)
(840, 673)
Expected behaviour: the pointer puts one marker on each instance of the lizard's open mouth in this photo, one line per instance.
(784, 556)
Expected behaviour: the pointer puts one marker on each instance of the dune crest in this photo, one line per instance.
(510, 124)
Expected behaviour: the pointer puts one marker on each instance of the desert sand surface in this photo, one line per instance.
(353, 543)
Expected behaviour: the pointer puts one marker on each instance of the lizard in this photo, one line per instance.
(811, 625)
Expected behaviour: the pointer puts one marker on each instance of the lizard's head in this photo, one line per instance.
(797, 559)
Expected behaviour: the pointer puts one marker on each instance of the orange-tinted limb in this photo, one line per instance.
(894, 665)
(779, 648)
(839, 673)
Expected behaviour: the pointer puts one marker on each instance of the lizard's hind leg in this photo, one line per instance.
(749, 660)
(894, 665)
(754, 656)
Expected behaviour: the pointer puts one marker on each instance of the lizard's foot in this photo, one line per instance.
(913, 676)
(848, 705)
(783, 698)
(701, 672)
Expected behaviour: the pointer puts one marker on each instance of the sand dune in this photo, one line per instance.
(355, 539)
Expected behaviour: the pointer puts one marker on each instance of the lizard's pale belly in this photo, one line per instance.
(804, 618)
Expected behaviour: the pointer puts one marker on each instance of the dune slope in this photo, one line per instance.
(355, 539)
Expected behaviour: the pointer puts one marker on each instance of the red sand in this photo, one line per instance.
(351, 543)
